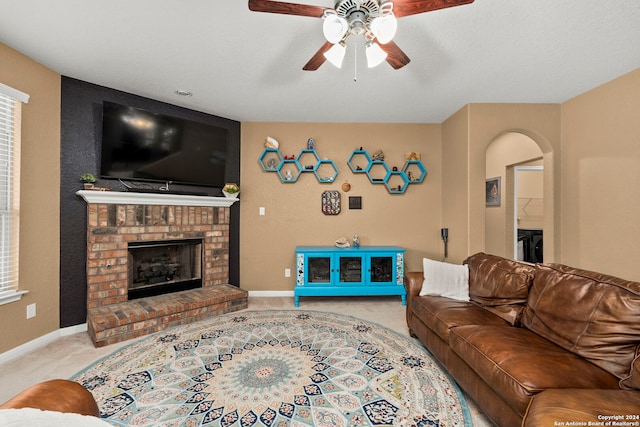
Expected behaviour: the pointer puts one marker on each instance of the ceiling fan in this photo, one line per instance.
(373, 19)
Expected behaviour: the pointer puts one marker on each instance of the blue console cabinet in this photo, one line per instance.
(333, 271)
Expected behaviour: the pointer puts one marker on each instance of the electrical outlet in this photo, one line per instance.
(31, 311)
(287, 272)
(261, 211)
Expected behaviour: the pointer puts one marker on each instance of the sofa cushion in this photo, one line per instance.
(583, 406)
(633, 380)
(517, 363)
(494, 280)
(590, 314)
(441, 314)
(511, 313)
(445, 280)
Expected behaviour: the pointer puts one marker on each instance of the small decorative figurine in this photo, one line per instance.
(378, 155)
(342, 242)
(311, 144)
(288, 176)
(356, 241)
(270, 142)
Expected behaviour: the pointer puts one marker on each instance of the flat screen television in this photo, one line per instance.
(141, 145)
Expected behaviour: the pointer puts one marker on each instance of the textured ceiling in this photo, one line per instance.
(247, 65)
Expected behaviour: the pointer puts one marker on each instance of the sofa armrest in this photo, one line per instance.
(56, 395)
(412, 284)
(581, 405)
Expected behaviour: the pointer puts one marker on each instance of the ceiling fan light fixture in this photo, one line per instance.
(334, 27)
(384, 27)
(375, 54)
(335, 55)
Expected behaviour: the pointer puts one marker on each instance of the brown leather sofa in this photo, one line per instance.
(55, 395)
(537, 345)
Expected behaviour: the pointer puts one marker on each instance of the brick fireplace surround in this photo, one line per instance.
(113, 220)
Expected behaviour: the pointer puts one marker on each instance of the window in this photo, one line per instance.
(10, 112)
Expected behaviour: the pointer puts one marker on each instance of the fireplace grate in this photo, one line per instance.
(161, 267)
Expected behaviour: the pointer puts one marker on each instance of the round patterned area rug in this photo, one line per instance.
(275, 368)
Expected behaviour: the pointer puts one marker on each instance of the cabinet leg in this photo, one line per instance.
(296, 301)
(404, 300)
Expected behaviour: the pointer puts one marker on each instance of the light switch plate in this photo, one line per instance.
(31, 311)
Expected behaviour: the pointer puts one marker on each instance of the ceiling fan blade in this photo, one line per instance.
(286, 8)
(395, 56)
(413, 7)
(318, 59)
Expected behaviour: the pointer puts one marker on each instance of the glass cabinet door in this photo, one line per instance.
(318, 269)
(351, 269)
(382, 269)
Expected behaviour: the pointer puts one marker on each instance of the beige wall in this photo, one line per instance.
(455, 187)
(40, 201)
(540, 122)
(293, 216)
(530, 199)
(601, 178)
(466, 136)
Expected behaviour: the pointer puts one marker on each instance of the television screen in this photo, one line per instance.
(143, 145)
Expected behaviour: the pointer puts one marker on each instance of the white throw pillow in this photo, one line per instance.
(30, 417)
(445, 280)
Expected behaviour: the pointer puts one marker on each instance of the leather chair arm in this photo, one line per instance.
(56, 395)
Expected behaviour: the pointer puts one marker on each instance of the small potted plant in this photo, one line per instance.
(231, 190)
(89, 180)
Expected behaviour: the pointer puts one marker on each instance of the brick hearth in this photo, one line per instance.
(117, 219)
(114, 323)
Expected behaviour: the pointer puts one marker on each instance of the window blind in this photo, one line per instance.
(10, 113)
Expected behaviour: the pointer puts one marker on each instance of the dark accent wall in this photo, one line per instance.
(81, 124)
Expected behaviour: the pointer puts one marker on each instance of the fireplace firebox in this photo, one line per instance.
(164, 266)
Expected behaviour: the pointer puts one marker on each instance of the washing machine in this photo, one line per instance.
(531, 243)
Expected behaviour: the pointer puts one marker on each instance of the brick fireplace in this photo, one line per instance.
(116, 222)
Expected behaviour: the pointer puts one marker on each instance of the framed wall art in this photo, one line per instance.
(493, 191)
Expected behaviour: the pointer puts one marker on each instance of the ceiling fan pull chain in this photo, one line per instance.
(355, 62)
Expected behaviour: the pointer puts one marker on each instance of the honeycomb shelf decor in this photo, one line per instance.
(290, 169)
(395, 180)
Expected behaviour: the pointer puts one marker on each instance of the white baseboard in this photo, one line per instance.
(73, 330)
(271, 293)
(23, 349)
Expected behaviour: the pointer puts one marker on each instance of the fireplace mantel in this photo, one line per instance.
(132, 198)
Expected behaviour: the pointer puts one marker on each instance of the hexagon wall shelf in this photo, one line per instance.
(396, 181)
(307, 160)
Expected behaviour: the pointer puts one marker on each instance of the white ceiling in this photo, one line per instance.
(247, 66)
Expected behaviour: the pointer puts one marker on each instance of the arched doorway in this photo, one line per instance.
(515, 213)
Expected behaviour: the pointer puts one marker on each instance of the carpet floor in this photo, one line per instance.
(275, 368)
